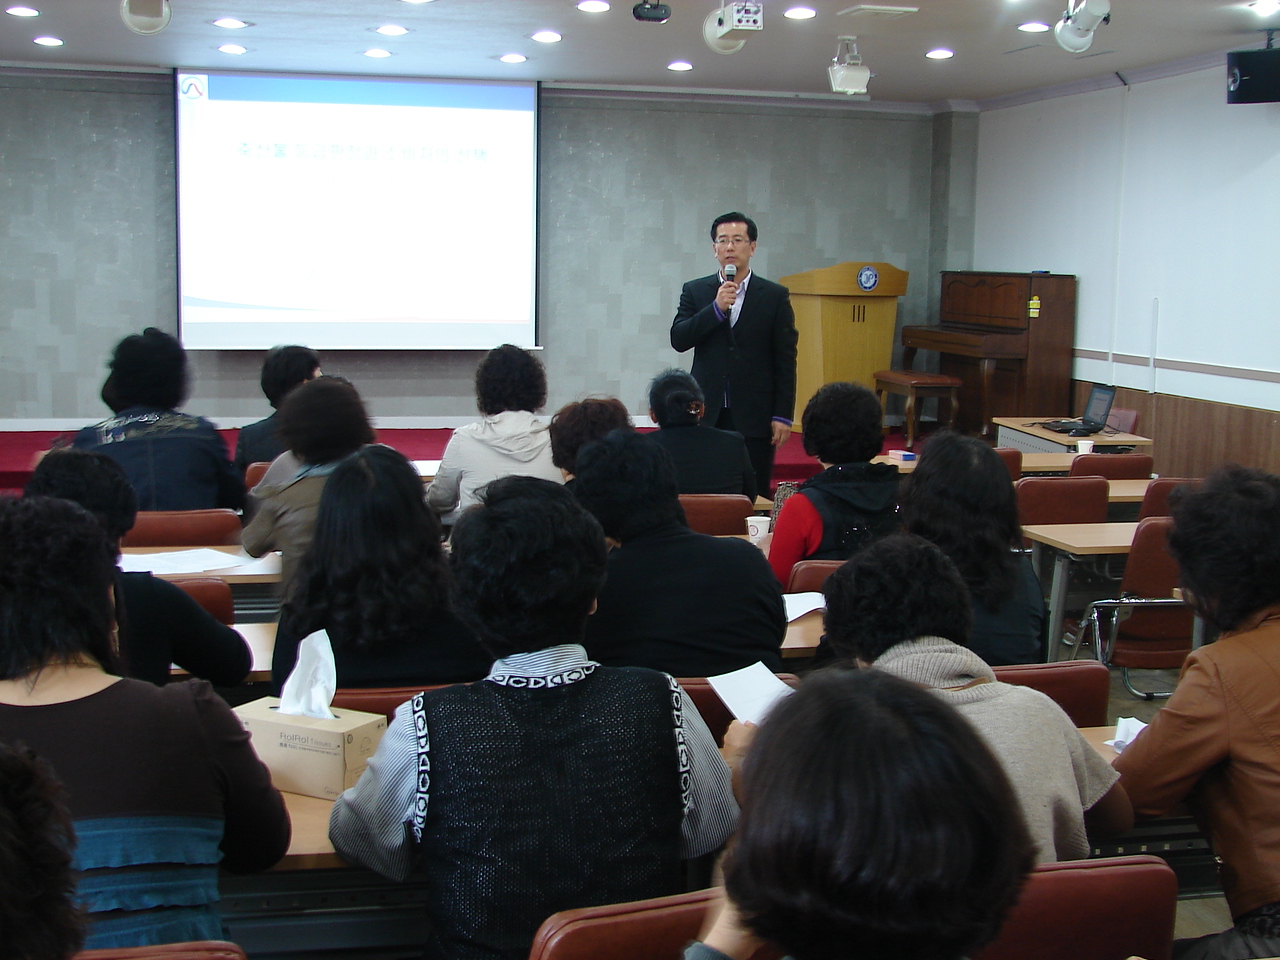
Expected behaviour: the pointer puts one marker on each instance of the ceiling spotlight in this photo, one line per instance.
(229, 23)
(942, 53)
(1263, 8)
(145, 17)
(377, 53)
(846, 73)
(1034, 27)
(547, 36)
(232, 48)
(392, 30)
(1074, 32)
(593, 6)
(513, 58)
(800, 13)
(680, 66)
(48, 41)
(646, 11)
(23, 12)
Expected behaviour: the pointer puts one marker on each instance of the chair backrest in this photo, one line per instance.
(194, 950)
(1122, 420)
(211, 593)
(1012, 458)
(384, 700)
(253, 473)
(1062, 500)
(1082, 688)
(712, 709)
(1113, 466)
(1155, 502)
(809, 575)
(185, 528)
(719, 514)
(1107, 909)
(1157, 638)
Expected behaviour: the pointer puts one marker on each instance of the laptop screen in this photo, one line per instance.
(1098, 408)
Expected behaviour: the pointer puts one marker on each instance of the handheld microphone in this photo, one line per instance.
(730, 271)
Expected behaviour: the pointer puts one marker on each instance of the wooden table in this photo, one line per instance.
(803, 634)
(228, 574)
(1127, 491)
(1070, 541)
(310, 848)
(1022, 433)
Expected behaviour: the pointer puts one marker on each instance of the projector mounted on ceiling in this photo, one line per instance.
(846, 73)
(145, 16)
(727, 26)
(1074, 32)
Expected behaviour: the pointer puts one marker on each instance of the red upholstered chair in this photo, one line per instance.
(1155, 502)
(1012, 458)
(195, 950)
(1144, 628)
(253, 473)
(1113, 466)
(1082, 688)
(808, 576)
(712, 709)
(211, 593)
(185, 528)
(719, 514)
(384, 700)
(1062, 500)
(1107, 909)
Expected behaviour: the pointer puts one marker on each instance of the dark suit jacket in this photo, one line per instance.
(755, 359)
(708, 460)
(258, 443)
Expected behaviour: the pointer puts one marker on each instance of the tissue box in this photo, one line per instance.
(906, 456)
(317, 758)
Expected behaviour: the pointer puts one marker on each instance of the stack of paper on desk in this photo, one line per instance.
(749, 693)
(798, 604)
(199, 560)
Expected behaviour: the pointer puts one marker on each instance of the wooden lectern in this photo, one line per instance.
(846, 316)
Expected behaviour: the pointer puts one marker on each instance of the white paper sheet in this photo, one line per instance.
(1127, 730)
(798, 604)
(196, 560)
(749, 693)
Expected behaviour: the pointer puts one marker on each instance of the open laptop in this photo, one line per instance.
(1095, 415)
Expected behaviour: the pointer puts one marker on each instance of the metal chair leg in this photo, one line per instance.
(1141, 695)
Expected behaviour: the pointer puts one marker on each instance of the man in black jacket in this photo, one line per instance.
(743, 336)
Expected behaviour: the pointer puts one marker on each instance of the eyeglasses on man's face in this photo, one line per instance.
(732, 241)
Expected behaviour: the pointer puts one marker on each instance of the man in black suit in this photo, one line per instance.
(743, 336)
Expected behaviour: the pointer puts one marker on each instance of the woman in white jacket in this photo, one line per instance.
(511, 386)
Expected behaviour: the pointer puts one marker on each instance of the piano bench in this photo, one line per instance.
(918, 386)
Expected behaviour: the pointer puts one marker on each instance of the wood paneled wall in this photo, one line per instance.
(1191, 437)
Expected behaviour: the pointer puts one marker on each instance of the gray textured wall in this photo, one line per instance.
(628, 189)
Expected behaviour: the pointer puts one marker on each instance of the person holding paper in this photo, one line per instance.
(675, 600)
(899, 605)
(1214, 744)
(553, 783)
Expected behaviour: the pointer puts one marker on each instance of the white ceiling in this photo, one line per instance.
(463, 38)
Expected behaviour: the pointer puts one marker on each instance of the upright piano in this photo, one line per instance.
(1009, 337)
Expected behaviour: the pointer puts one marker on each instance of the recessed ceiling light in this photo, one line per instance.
(1034, 27)
(378, 53)
(942, 53)
(232, 48)
(1263, 8)
(392, 30)
(800, 13)
(23, 12)
(680, 66)
(48, 41)
(230, 23)
(513, 58)
(416, 1)
(547, 36)
(593, 6)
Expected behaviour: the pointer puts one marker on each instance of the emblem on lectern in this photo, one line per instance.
(868, 278)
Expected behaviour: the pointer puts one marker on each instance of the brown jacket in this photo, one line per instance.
(285, 520)
(1216, 744)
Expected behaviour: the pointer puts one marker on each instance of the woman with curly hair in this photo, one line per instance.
(163, 786)
(578, 423)
(960, 499)
(511, 386)
(377, 580)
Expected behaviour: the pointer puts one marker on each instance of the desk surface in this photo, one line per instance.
(1027, 425)
(1083, 538)
(229, 574)
(1127, 491)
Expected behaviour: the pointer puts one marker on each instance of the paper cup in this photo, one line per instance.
(1084, 446)
(758, 526)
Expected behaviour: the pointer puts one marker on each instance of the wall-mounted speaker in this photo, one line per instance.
(1253, 76)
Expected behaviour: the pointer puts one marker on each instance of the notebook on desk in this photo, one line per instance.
(1095, 416)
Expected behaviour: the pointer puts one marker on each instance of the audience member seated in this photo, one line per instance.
(377, 581)
(675, 600)
(707, 460)
(159, 623)
(875, 824)
(899, 605)
(580, 422)
(163, 785)
(1214, 744)
(852, 501)
(282, 370)
(555, 782)
(321, 421)
(508, 441)
(960, 498)
(175, 461)
(39, 917)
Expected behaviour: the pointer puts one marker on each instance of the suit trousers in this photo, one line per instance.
(759, 449)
